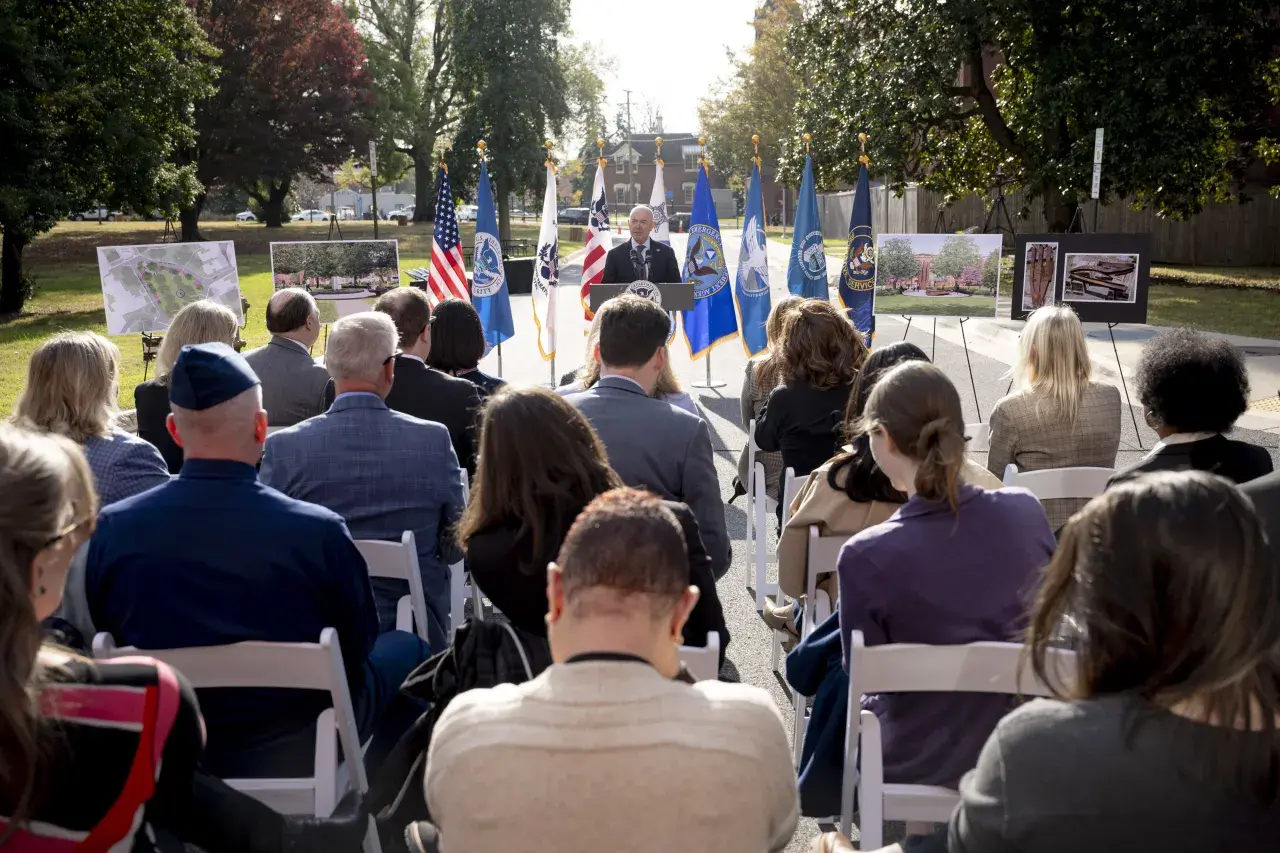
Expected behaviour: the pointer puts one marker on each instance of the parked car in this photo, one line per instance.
(346, 213)
(99, 212)
(468, 213)
(310, 216)
(575, 216)
(406, 212)
(368, 214)
(246, 216)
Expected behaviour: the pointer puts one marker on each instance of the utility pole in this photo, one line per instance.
(629, 146)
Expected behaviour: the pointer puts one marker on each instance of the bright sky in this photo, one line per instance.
(669, 52)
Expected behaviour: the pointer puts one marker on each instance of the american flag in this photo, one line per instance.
(597, 242)
(448, 279)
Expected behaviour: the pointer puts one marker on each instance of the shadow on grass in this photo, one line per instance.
(14, 328)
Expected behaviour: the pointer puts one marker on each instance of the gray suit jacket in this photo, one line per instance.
(384, 472)
(656, 446)
(292, 383)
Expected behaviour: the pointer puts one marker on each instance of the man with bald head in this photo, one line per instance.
(215, 557)
(640, 258)
(292, 383)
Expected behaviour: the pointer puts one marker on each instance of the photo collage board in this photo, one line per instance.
(343, 276)
(937, 275)
(1103, 277)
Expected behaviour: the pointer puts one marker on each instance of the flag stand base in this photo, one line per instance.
(709, 382)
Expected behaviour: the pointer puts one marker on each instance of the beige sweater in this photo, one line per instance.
(609, 755)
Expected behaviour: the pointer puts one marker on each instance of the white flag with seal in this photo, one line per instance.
(546, 271)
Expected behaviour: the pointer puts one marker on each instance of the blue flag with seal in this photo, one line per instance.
(489, 293)
(858, 275)
(807, 269)
(712, 318)
(751, 289)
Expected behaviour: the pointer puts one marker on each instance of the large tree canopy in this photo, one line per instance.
(94, 99)
(293, 98)
(948, 91)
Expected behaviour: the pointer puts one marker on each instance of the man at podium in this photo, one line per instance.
(641, 259)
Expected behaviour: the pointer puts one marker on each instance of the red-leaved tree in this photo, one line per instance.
(294, 96)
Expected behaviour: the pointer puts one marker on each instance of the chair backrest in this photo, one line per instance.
(823, 553)
(399, 561)
(790, 486)
(703, 664)
(1053, 483)
(289, 666)
(979, 437)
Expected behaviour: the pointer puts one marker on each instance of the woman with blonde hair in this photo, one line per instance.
(668, 388)
(1057, 417)
(72, 382)
(951, 566)
(763, 373)
(202, 322)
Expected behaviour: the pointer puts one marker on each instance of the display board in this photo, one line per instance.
(937, 275)
(1103, 277)
(344, 276)
(143, 287)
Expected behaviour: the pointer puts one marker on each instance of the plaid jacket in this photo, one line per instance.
(1026, 431)
(123, 465)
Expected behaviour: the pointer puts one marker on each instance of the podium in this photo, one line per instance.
(672, 296)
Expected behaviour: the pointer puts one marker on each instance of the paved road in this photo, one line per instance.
(748, 652)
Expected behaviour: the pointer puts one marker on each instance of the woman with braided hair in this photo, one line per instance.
(952, 565)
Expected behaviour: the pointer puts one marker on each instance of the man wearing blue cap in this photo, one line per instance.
(215, 557)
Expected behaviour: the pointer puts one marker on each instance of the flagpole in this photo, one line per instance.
(709, 383)
(553, 302)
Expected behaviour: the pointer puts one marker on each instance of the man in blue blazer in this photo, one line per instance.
(383, 471)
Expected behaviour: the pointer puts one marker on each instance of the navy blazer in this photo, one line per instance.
(815, 668)
(384, 472)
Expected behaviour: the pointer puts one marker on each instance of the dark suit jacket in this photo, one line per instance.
(1238, 461)
(804, 423)
(426, 393)
(515, 579)
(663, 267)
(151, 399)
(292, 383)
(1265, 494)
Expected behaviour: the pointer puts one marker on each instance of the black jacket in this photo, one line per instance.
(804, 423)
(515, 579)
(1265, 494)
(426, 393)
(1238, 461)
(663, 267)
(151, 399)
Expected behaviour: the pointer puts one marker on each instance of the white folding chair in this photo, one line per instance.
(287, 666)
(703, 664)
(460, 585)
(979, 437)
(790, 485)
(911, 668)
(1053, 483)
(824, 551)
(272, 430)
(399, 561)
(755, 486)
(762, 510)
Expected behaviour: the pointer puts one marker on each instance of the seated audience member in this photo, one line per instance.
(763, 374)
(200, 322)
(215, 557)
(847, 494)
(651, 444)
(419, 390)
(821, 355)
(292, 383)
(62, 786)
(607, 748)
(1192, 388)
(1265, 494)
(540, 464)
(1057, 418)
(951, 566)
(457, 345)
(1163, 735)
(667, 388)
(72, 381)
(384, 472)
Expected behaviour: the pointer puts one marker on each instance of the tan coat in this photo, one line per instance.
(1036, 440)
(833, 512)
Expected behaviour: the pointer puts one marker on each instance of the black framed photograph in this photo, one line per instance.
(1102, 277)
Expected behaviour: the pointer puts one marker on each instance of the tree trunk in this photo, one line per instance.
(424, 173)
(504, 216)
(1059, 210)
(273, 204)
(189, 217)
(12, 290)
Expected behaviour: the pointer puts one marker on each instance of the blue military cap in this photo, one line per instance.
(208, 374)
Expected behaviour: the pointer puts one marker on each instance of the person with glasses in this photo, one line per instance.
(385, 472)
(217, 557)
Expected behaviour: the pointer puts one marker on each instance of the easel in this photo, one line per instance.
(334, 226)
(170, 235)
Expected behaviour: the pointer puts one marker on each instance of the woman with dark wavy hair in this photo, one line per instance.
(820, 357)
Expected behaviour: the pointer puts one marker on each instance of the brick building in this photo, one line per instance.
(680, 170)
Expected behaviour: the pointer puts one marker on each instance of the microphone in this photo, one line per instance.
(641, 268)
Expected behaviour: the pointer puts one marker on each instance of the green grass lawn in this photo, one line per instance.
(980, 307)
(69, 293)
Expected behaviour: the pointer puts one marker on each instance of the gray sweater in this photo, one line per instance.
(1066, 777)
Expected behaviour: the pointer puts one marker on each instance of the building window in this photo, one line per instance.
(691, 161)
(620, 193)
(688, 192)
